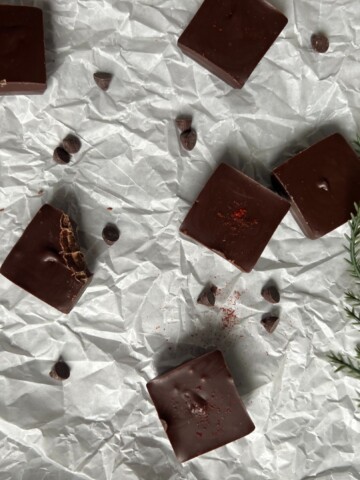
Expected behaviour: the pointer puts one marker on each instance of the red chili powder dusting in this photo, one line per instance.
(239, 214)
(229, 317)
(237, 295)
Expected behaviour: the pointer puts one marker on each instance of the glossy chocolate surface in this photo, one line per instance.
(22, 51)
(229, 38)
(199, 406)
(322, 182)
(46, 260)
(235, 217)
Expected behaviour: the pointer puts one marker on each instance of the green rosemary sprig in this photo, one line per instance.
(357, 144)
(352, 298)
(347, 363)
(351, 364)
(354, 243)
(353, 314)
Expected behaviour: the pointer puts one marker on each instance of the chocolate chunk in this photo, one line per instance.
(60, 370)
(200, 406)
(61, 156)
(103, 80)
(183, 123)
(110, 234)
(71, 144)
(188, 139)
(270, 322)
(207, 296)
(271, 294)
(323, 183)
(22, 52)
(229, 38)
(235, 217)
(320, 42)
(47, 262)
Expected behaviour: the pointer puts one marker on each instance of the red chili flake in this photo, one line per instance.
(237, 295)
(239, 214)
(109, 208)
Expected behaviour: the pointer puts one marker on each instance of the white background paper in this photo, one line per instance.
(140, 316)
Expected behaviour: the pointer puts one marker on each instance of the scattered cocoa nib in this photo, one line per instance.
(319, 42)
(183, 122)
(71, 144)
(207, 296)
(188, 139)
(60, 371)
(271, 294)
(103, 80)
(61, 156)
(110, 234)
(270, 322)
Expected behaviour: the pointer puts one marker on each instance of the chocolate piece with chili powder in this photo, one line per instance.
(199, 406)
(235, 217)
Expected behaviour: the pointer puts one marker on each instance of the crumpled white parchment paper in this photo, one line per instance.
(139, 316)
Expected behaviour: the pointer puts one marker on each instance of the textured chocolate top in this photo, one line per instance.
(230, 37)
(22, 52)
(199, 406)
(235, 216)
(323, 182)
(46, 260)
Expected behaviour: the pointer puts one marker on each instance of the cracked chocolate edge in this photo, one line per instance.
(70, 250)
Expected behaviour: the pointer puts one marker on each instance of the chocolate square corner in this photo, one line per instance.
(322, 184)
(230, 38)
(22, 50)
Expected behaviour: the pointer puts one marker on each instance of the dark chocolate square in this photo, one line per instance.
(322, 182)
(230, 37)
(235, 217)
(199, 406)
(22, 51)
(47, 262)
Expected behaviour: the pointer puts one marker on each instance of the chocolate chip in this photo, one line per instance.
(103, 80)
(271, 294)
(207, 296)
(319, 42)
(188, 139)
(110, 234)
(71, 144)
(60, 371)
(270, 322)
(61, 156)
(183, 123)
